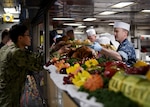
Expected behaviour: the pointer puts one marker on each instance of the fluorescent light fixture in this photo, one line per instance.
(146, 11)
(89, 19)
(111, 24)
(143, 27)
(11, 10)
(107, 13)
(73, 24)
(81, 27)
(16, 20)
(122, 4)
(63, 18)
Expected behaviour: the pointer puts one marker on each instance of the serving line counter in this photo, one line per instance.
(61, 95)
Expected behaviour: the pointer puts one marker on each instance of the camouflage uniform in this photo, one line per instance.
(14, 66)
(127, 52)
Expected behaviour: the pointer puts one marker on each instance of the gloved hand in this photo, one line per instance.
(96, 46)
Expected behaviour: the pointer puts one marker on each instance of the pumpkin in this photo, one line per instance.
(94, 82)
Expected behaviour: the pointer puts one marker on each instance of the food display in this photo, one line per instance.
(109, 82)
(108, 46)
(81, 52)
(79, 42)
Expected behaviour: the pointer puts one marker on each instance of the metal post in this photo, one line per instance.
(46, 36)
(46, 51)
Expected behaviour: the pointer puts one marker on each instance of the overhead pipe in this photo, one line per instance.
(45, 5)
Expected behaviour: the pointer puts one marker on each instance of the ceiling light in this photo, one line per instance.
(146, 11)
(89, 19)
(16, 20)
(81, 26)
(63, 18)
(73, 24)
(107, 13)
(122, 4)
(143, 27)
(111, 24)
(11, 10)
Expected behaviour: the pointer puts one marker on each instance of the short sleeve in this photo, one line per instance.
(123, 55)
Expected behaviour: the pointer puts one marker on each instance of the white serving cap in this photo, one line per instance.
(91, 32)
(57, 36)
(122, 25)
(68, 28)
(103, 40)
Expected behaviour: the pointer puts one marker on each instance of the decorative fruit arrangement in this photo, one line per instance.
(94, 82)
(140, 63)
(138, 70)
(134, 87)
(112, 67)
(90, 75)
(68, 79)
(61, 64)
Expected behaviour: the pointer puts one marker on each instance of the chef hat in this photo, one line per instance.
(90, 32)
(68, 28)
(122, 25)
(112, 39)
(103, 40)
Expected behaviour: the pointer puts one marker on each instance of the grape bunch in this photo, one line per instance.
(63, 71)
(48, 63)
(138, 70)
(67, 79)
